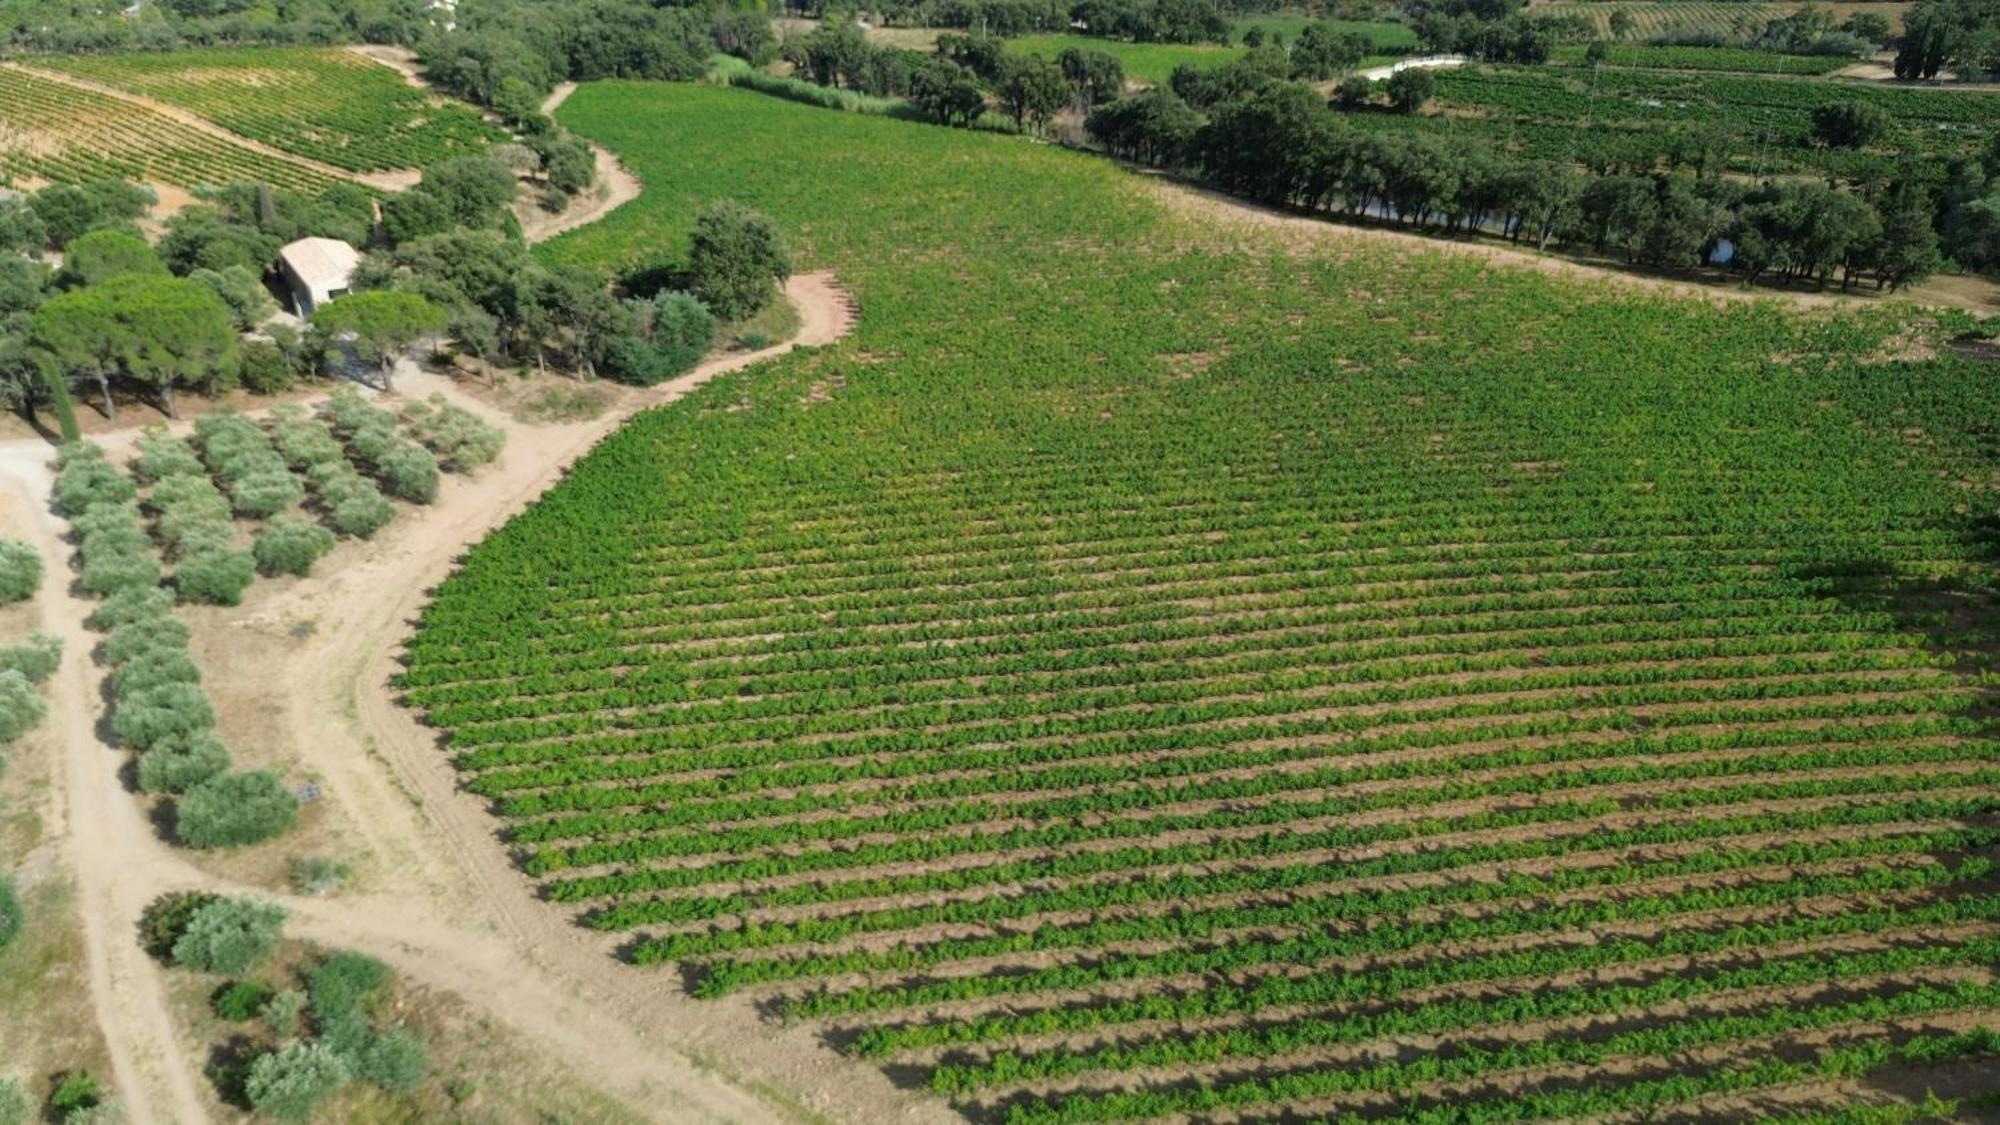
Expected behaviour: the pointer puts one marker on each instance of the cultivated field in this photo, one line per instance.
(52, 132)
(324, 104)
(1724, 17)
(1153, 670)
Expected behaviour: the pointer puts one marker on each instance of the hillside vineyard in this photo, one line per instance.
(1154, 669)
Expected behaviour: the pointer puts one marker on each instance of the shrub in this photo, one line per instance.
(148, 715)
(290, 545)
(107, 573)
(266, 491)
(458, 435)
(88, 480)
(341, 988)
(229, 935)
(362, 514)
(37, 658)
(134, 638)
(20, 571)
(215, 576)
(409, 471)
(178, 763)
(734, 257)
(303, 441)
(154, 668)
(265, 368)
(161, 455)
(16, 1107)
(292, 1081)
(317, 875)
(240, 1000)
(74, 1092)
(12, 916)
(283, 1013)
(235, 809)
(394, 1060)
(21, 709)
(138, 603)
(166, 918)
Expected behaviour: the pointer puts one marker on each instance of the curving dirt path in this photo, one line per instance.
(392, 180)
(446, 908)
(615, 187)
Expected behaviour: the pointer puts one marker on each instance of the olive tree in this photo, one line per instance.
(20, 571)
(234, 809)
(230, 935)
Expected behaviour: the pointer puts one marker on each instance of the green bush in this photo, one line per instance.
(317, 875)
(362, 514)
(37, 658)
(16, 1107)
(240, 1000)
(138, 603)
(458, 435)
(304, 442)
(284, 1012)
(152, 669)
(409, 471)
(235, 809)
(291, 1082)
(148, 715)
(265, 369)
(230, 935)
(290, 545)
(394, 1060)
(266, 491)
(161, 455)
(88, 480)
(134, 638)
(106, 574)
(20, 571)
(75, 1092)
(215, 576)
(734, 257)
(166, 918)
(178, 763)
(12, 916)
(21, 708)
(342, 988)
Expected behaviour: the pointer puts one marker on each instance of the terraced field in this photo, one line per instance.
(324, 104)
(1152, 671)
(51, 132)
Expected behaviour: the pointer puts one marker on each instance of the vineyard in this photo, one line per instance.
(1720, 17)
(57, 133)
(1768, 118)
(327, 105)
(1144, 673)
(1739, 59)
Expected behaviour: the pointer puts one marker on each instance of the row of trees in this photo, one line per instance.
(1283, 145)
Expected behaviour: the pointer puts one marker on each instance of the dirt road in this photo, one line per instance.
(615, 187)
(447, 910)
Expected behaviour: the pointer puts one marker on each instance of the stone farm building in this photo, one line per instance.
(316, 270)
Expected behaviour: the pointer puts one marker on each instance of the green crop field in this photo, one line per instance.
(55, 133)
(1738, 59)
(1145, 63)
(329, 105)
(1769, 119)
(1722, 17)
(1150, 669)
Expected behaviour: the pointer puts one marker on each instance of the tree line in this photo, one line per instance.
(1283, 144)
(194, 310)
